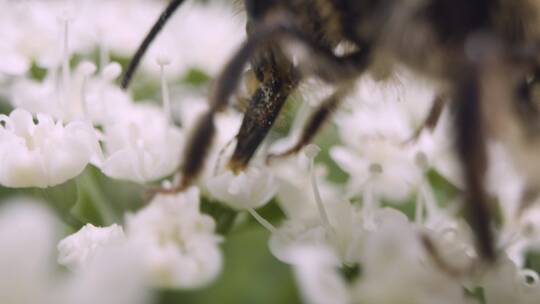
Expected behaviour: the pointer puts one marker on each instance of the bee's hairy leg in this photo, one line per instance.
(315, 122)
(432, 119)
(198, 144)
(471, 150)
(268, 99)
(148, 39)
(273, 31)
(264, 108)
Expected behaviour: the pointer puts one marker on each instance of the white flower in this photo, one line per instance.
(104, 101)
(249, 189)
(178, 244)
(114, 275)
(45, 153)
(141, 145)
(386, 166)
(505, 283)
(374, 133)
(13, 63)
(394, 255)
(330, 222)
(293, 196)
(77, 250)
(35, 97)
(316, 270)
(27, 233)
(342, 236)
(88, 96)
(37, 38)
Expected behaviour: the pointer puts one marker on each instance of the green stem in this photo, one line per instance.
(101, 203)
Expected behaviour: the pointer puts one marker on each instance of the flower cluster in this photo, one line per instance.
(376, 218)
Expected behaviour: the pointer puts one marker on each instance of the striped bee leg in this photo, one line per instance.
(314, 123)
(471, 149)
(258, 118)
(432, 119)
(274, 90)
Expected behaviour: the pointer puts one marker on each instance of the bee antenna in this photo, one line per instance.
(154, 31)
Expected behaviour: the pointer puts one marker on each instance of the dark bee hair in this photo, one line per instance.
(465, 45)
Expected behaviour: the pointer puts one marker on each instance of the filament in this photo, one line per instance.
(266, 224)
(311, 152)
(166, 100)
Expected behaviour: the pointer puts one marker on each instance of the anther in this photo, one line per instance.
(375, 168)
(111, 71)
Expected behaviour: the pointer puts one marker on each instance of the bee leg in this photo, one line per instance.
(198, 144)
(471, 150)
(154, 31)
(269, 98)
(251, 132)
(432, 119)
(264, 108)
(272, 93)
(315, 122)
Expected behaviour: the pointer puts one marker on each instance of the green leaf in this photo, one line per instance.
(351, 272)
(477, 293)
(62, 198)
(37, 73)
(532, 260)
(196, 77)
(272, 212)
(93, 204)
(408, 207)
(85, 209)
(444, 191)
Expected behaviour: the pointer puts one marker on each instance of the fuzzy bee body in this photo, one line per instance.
(467, 46)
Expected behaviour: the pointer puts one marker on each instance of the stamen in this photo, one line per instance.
(66, 75)
(375, 168)
(311, 152)
(429, 199)
(103, 56)
(368, 205)
(266, 224)
(108, 74)
(368, 199)
(5, 122)
(162, 61)
(426, 199)
(419, 210)
(422, 161)
(85, 70)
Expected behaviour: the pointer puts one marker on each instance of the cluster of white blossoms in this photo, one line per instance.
(347, 240)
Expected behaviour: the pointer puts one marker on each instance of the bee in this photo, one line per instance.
(481, 53)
